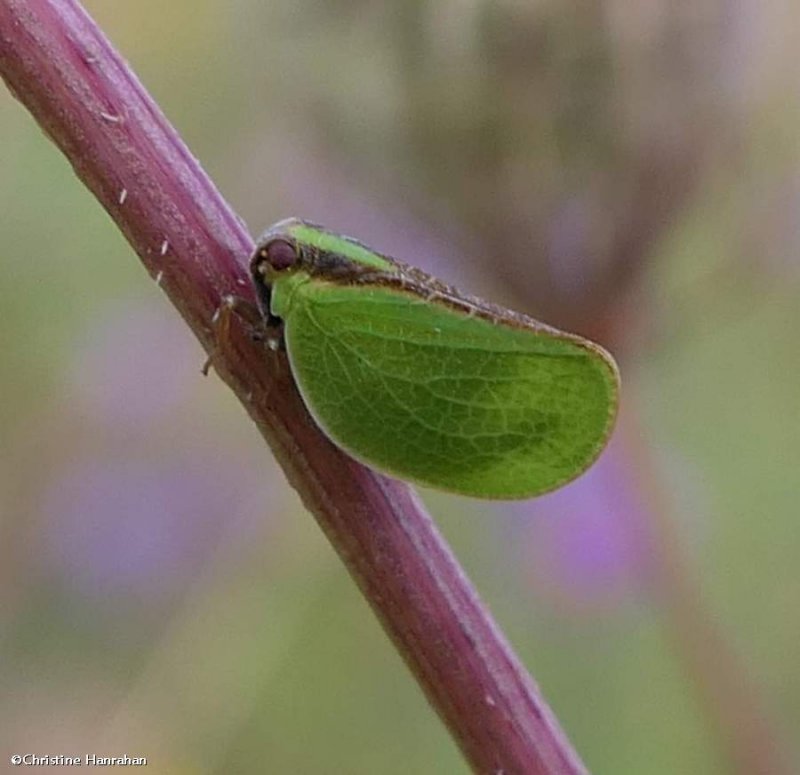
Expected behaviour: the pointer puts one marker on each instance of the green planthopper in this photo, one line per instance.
(424, 383)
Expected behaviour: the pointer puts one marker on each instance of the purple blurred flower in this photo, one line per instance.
(588, 541)
(134, 508)
(134, 365)
(132, 527)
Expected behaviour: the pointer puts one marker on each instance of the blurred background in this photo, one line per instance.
(629, 171)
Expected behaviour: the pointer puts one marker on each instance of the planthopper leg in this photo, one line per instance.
(261, 330)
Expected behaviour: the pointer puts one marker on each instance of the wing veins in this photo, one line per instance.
(410, 411)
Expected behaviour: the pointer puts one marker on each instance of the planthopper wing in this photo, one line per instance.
(441, 396)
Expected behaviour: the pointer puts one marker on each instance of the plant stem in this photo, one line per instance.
(59, 65)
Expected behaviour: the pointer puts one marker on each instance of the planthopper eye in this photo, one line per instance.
(280, 254)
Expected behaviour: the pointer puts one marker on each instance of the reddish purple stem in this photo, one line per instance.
(58, 64)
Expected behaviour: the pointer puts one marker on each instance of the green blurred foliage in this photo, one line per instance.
(631, 173)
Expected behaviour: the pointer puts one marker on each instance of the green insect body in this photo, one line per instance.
(418, 381)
